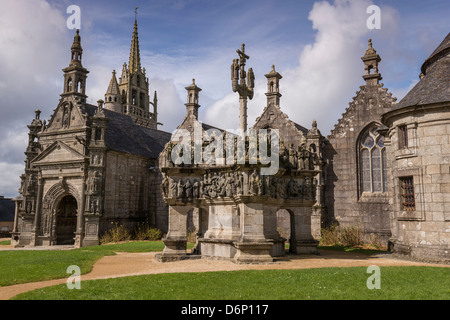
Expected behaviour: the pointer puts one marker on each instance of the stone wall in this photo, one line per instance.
(346, 204)
(131, 191)
(422, 233)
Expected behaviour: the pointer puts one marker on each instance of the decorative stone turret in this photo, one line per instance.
(273, 87)
(112, 95)
(192, 99)
(75, 75)
(371, 60)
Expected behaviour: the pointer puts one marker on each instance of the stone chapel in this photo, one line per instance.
(92, 166)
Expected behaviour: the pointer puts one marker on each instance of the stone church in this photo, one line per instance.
(92, 166)
(384, 168)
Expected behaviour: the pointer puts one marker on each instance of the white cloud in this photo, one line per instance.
(328, 73)
(32, 42)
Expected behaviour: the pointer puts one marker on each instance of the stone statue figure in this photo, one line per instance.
(28, 207)
(180, 189)
(239, 183)
(173, 188)
(292, 157)
(293, 189)
(196, 189)
(229, 185)
(255, 184)
(188, 189)
(165, 186)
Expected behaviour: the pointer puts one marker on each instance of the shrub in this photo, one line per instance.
(116, 234)
(341, 236)
(154, 234)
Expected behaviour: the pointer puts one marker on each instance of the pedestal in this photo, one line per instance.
(175, 249)
(253, 252)
(91, 232)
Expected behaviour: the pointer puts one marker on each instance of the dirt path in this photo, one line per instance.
(129, 264)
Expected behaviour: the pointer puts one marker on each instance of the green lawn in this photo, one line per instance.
(325, 283)
(21, 266)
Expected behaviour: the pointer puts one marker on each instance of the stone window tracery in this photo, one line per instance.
(372, 153)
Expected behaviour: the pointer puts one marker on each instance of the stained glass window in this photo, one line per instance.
(365, 170)
(373, 171)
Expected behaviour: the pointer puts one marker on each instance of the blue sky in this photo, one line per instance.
(315, 45)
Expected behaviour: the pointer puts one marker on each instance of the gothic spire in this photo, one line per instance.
(113, 87)
(135, 57)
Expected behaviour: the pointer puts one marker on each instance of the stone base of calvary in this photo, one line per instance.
(240, 224)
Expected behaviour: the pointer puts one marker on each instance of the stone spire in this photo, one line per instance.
(135, 59)
(113, 87)
(273, 87)
(371, 60)
(113, 99)
(192, 99)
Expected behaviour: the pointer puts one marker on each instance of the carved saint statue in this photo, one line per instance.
(255, 184)
(188, 188)
(165, 186)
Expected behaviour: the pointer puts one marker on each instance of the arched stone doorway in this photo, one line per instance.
(66, 220)
(286, 227)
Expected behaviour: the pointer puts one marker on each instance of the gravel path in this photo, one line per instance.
(130, 264)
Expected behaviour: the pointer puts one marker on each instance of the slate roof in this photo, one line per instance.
(7, 208)
(434, 87)
(301, 128)
(123, 135)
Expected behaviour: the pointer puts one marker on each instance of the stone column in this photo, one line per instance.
(79, 235)
(271, 233)
(37, 213)
(252, 246)
(176, 238)
(304, 241)
(243, 114)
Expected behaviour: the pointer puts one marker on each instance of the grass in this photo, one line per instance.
(21, 266)
(325, 284)
(5, 243)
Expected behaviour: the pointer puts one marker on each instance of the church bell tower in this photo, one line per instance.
(75, 75)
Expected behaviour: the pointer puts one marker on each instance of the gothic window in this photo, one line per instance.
(372, 154)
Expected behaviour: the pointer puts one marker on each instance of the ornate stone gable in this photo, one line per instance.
(58, 153)
(369, 102)
(273, 118)
(69, 114)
